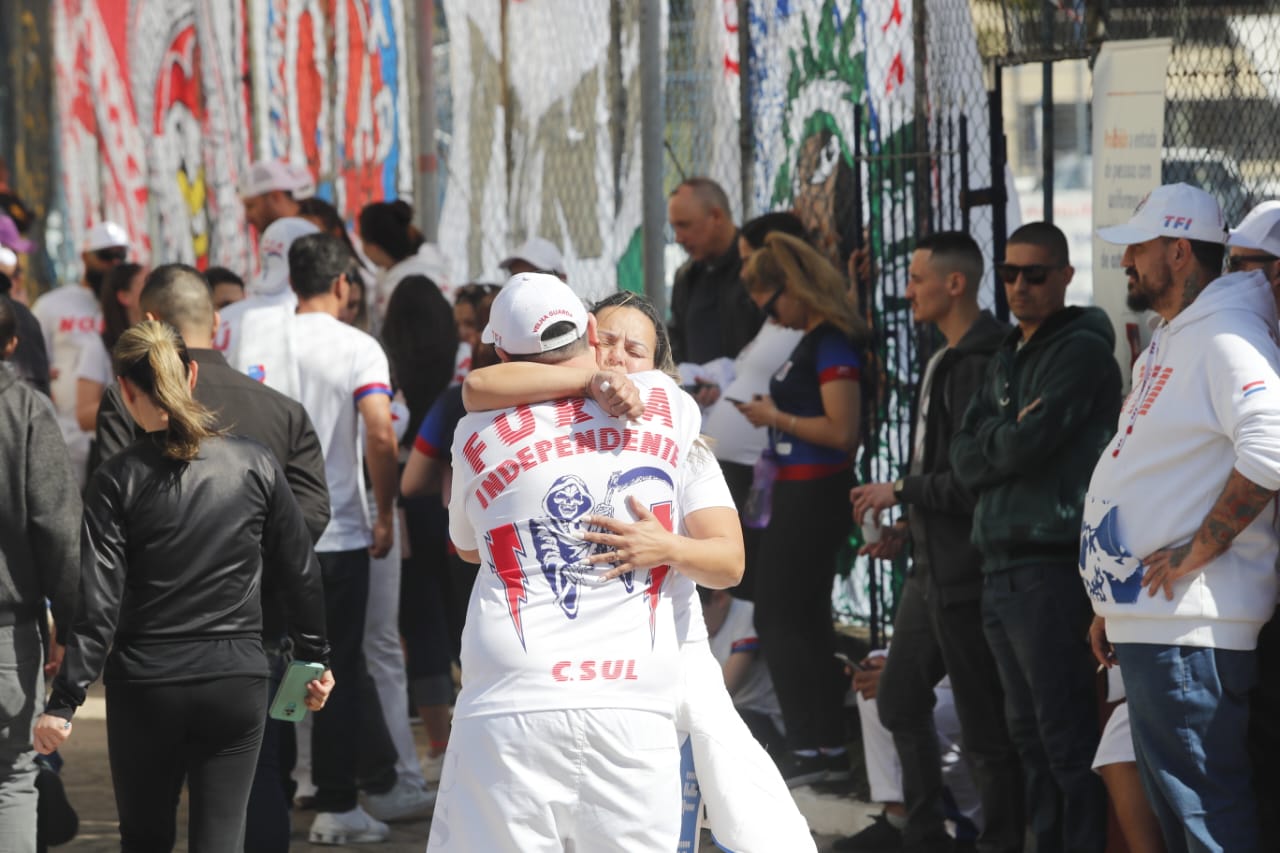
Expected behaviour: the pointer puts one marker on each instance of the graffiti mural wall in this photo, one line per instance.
(163, 104)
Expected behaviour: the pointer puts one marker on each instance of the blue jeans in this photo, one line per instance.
(1036, 619)
(1189, 710)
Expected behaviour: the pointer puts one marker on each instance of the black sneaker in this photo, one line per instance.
(880, 835)
(837, 767)
(800, 770)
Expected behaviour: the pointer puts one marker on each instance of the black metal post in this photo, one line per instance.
(1046, 114)
(999, 195)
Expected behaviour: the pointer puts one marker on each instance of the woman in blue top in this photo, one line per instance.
(812, 413)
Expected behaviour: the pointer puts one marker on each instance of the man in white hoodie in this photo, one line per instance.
(1178, 546)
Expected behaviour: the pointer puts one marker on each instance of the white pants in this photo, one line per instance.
(749, 808)
(884, 770)
(384, 658)
(1116, 744)
(582, 781)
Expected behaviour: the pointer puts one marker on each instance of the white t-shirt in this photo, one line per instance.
(70, 317)
(738, 636)
(95, 362)
(338, 366)
(541, 632)
(699, 485)
(735, 439)
(228, 339)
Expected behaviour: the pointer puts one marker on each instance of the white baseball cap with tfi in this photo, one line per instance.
(1173, 210)
(529, 304)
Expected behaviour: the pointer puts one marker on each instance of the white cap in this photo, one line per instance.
(1173, 210)
(267, 175)
(7, 257)
(105, 235)
(1260, 229)
(527, 304)
(541, 254)
(273, 252)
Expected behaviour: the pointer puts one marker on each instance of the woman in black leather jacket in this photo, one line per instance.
(176, 531)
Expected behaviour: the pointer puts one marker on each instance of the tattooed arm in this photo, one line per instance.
(1238, 505)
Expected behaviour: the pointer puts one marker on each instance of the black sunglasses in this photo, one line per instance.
(1235, 263)
(118, 254)
(770, 307)
(1031, 273)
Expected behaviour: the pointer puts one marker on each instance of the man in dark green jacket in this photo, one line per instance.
(1028, 444)
(938, 627)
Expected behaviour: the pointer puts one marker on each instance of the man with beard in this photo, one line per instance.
(68, 316)
(272, 190)
(1176, 550)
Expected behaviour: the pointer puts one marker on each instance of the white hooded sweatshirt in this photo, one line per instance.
(1205, 400)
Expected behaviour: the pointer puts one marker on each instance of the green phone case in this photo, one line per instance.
(290, 703)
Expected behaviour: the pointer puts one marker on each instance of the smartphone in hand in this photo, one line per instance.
(290, 703)
(849, 662)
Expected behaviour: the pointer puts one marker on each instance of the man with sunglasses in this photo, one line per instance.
(1255, 244)
(1179, 543)
(1039, 420)
(69, 315)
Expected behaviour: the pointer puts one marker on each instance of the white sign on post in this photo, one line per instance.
(1128, 141)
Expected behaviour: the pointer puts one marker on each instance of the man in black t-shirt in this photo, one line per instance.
(711, 316)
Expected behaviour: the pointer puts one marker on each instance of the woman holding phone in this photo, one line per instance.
(812, 412)
(177, 529)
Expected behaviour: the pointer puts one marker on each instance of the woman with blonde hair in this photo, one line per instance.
(812, 413)
(177, 529)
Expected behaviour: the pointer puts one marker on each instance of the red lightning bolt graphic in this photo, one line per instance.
(505, 549)
(657, 575)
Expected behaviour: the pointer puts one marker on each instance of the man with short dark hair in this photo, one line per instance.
(938, 627)
(343, 381)
(1038, 422)
(39, 560)
(711, 316)
(1179, 545)
(225, 287)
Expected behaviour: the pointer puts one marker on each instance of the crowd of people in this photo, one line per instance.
(622, 530)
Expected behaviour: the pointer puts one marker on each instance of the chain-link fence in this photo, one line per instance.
(867, 119)
(1222, 94)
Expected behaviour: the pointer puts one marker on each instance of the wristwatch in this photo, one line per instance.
(898, 485)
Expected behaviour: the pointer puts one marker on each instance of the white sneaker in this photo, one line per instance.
(431, 767)
(403, 801)
(353, 827)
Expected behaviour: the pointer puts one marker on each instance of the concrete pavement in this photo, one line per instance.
(87, 778)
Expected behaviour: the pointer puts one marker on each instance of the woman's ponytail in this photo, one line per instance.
(153, 357)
